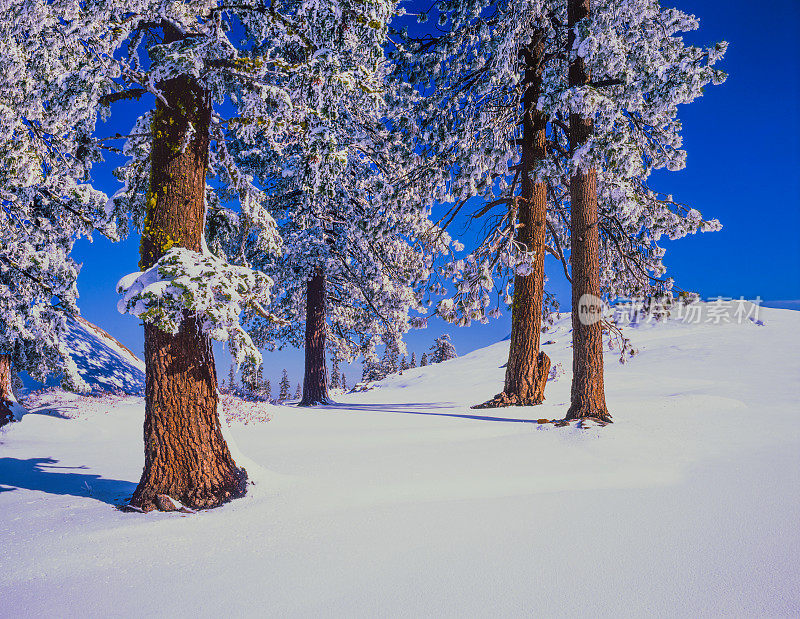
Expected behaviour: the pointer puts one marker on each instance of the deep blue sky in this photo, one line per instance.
(743, 140)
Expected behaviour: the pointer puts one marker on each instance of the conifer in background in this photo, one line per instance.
(285, 388)
(335, 371)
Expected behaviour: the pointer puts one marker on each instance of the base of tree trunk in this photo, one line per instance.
(315, 402)
(534, 394)
(158, 496)
(588, 413)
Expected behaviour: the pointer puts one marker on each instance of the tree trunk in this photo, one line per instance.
(7, 399)
(186, 457)
(588, 394)
(528, 368)
(315, 381)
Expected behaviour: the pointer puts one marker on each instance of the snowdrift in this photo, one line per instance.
(403, 501)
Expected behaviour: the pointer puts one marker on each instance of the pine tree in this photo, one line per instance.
(641, 71)
(159, 49)
(359, 241)
(285, 387)
(413, 363)
(344, 382)
(403, 364)
(390, 363)
(231, 378)
(267, 391)
(335, 384)
(260, 380)
(298, 393)
(47, 152)
(423, 361)
(442, 349)
(588, 392)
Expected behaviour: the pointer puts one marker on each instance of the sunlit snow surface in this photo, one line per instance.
(402, 501)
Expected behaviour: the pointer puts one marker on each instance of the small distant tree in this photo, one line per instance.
(390, 363)
(298, 393)
(344, 382)
(404, 364)
(285, 386)
(231, 378)
(334, 381)
(413, 363)
(267, 390)
(423, 361)
(443, 349)
(260, 379)
(250, 384)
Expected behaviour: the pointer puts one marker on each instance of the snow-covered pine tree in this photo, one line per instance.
(352, 220)
(260, 379)
(413, 362)
(232, 378)
(484, 135)
(423, 360)
(442, 349)
(588, 391)
(334, 371)
(285, 387)
(390, 361)
(344, 382)
(45, 201)
(249, 379)
(616, 121)
(180, 57)
(483, 67)
(372, 371)
(267, 391)
(298, 392)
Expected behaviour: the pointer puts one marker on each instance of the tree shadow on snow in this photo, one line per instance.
(422, 408)
(39, 474)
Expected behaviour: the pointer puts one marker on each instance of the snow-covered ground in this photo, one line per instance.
(402, 501)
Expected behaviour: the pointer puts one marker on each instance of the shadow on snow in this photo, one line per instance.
(38, 474)
(420, 408)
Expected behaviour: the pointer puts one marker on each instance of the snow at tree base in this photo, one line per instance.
(403, 501)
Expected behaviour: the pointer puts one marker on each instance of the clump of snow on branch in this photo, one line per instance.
(215, 291)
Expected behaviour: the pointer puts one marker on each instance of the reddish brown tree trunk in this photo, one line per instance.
(186, 457)
(588, 398)
(315, 381)
(7, 399)
(528, 368)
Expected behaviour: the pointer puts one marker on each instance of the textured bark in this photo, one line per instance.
(588, 393)
(528, 368)
(7, 398)
(315, 381)
(186, 457)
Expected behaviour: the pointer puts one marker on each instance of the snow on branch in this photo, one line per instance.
(186, 281)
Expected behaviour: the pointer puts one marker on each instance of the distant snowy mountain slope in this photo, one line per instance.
(104, 363)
